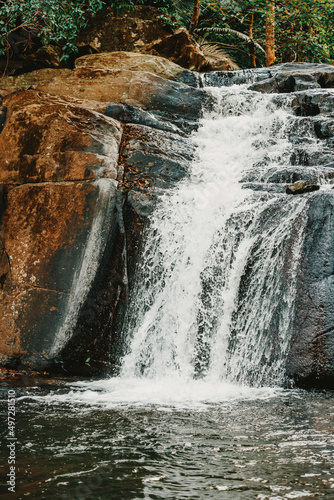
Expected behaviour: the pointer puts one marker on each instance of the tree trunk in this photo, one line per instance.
(270, 33)
(252, 47)
(195, 17)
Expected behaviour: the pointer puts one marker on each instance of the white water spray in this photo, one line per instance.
(216, 287)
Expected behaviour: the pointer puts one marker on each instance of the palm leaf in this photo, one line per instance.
(229, 31)
(215, 50)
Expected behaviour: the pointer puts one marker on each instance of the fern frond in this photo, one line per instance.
(216, 50)
(229, 31)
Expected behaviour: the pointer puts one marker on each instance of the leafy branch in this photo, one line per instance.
(229, 31)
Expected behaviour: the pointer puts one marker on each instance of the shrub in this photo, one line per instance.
(49, 20)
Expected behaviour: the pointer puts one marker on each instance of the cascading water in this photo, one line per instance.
(216, 286)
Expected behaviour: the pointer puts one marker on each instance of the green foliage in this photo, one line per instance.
(59, 22)
(173, 12)
(51, 20)
(227, 22)
(303, 29)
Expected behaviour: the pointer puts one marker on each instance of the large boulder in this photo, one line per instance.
(50, 139)
(127, 31)
(314, 102)
(311, 356)
(142, 30)
(295, 77)
(54, 237)
(133, 61)
(94, 84)
(58, 197)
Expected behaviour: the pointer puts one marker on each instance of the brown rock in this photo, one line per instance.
(48, 56)
(300, 187)
(42, 220)
(63, 245)
(30, 80)
(129, 31)
(49, 139)
(52, 233)
(104, 85)
(180, 48)
(90, 86)
(4, 267)
(142, 31)
(131, 61)
(49, 231)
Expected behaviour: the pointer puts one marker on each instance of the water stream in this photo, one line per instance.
(199, 409)
(215, 291)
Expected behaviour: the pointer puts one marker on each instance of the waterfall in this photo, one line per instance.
(215, 289)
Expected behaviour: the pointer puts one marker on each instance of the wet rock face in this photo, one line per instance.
(152, 161)
(281, 78)
(311, 359)
(47, 231)
(308, 90)
(295, 77)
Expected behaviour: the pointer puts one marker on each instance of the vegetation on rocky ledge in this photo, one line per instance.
(253, 32)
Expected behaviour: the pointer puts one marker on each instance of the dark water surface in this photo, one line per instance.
(80, 443)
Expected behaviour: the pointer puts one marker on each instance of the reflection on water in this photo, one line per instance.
(85, 442)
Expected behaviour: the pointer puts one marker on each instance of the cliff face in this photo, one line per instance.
(84, 156)
(58, 173)
(311, 357)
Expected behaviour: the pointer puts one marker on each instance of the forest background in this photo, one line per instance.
(253, 33)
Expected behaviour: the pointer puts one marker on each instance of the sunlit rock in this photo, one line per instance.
(300, 187)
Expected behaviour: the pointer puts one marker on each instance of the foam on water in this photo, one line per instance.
(165, 392)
